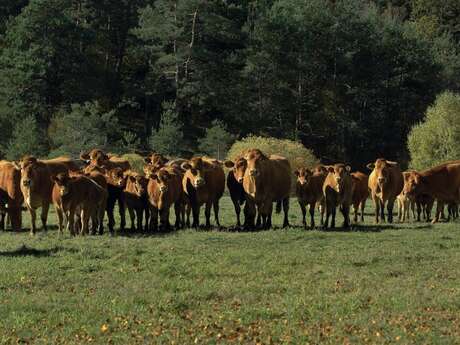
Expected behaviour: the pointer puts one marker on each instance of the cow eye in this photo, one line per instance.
(194, 171)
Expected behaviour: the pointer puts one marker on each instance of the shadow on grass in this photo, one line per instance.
(26, 251)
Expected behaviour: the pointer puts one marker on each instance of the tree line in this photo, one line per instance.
(347, 78)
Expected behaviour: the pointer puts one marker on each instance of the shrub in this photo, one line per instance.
(297, 154)
(136, 161)
(437, 138)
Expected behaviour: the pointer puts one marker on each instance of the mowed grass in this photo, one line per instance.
(374, 284)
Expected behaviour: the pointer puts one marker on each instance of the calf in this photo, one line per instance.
(81, 194)
(309, 191)
(405, 204)
(337, 190)
(235, 184)
(136, 199)
(203, 183)
(164, 189)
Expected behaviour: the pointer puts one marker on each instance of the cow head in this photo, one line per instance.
(162, 177)
(382, 168)
(29, 172)
(238, 168)
(95, 157)
(339, 172)
(62, 181)
(303, 176)
(27, 160)
(139, 184)
(414, 184)
(255, 161)
(156, 159)
(116, 177)
(320, 169)
(195, 171)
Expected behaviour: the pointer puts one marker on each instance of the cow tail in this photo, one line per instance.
(278, 206)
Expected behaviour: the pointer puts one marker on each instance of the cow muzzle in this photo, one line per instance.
(163, 189)
(240, 180)
(381, 180)
(199, 182)
(253, 172)
(26, 183)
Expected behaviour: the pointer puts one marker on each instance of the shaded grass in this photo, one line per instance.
(373, 284)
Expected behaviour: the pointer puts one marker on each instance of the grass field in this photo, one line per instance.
(375, 284)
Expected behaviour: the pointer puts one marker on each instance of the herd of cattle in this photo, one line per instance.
(84, 190)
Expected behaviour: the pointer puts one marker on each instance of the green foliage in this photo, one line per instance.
(27, 138)
(297, 154)
(84, 127)
(216, 141)
(168, 139)
(136, 161)
(437, 138)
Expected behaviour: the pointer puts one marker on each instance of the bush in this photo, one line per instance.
(85, 127)
(297, 154)
(136, 161)
(217, 140)
(27, 138)
(437, 138)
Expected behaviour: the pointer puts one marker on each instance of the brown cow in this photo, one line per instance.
(266, 180)
(164, 190)
(97, 157)
(10, 185)
(235, 184)
(37, 186)
(203, 183)
(424, 204)
(441, 182)
(81, 194)
(136, 199)
(360, 193)
(337, 190)
(385, 183)
(309, 191)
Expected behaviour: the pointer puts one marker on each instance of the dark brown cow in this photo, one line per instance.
(266, 180)
(337, 190)
(424, 204)
(203, 183)
(136, 199)
(441, 182)
(84, 195)
(10, 186)
(360, 193)
(385, 183)
(309, 191)
(164, 190)
(37, 185)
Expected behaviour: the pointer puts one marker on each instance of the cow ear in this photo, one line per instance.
(229, 164)
(186, 166)
(296, 172)
(16, 165)
(147, 160)
(371, 166)
(348, 168)
(132, 178)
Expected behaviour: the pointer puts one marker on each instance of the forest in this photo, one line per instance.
(346, 78)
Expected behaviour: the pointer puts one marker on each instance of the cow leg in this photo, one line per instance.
(139, 219)
(177, 213)
(322, 209)
(44, 214)
(312, 215)
(390, 205)
(60, 219)
(345, 209)
(377, 209)
(110, 216)
(84, 222)
(236, 205)
(132, 217)
(146, 218)
(333, 212)
(286, 212)
(215, 205)
(71, 221)
(303, 208)
(382, 211)
(121, 211)
(153, 219)
(188, 211)
(196, 216)
(362, 206)
(33, 218)
(355, 212)
(2, 220)
(207, 214)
